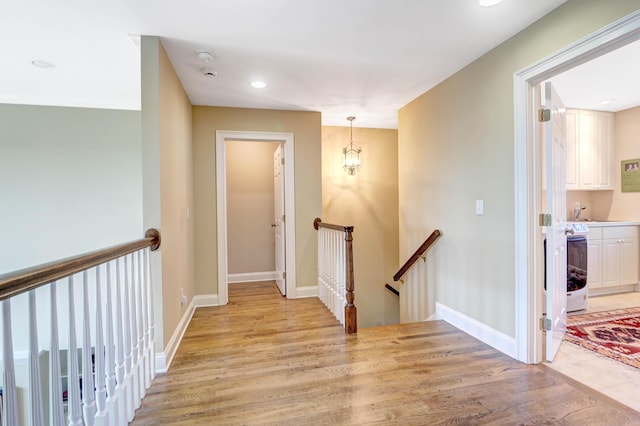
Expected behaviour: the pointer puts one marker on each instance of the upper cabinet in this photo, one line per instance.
(589, 149)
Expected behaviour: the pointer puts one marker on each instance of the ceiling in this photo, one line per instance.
(366, 58)
(607, 83)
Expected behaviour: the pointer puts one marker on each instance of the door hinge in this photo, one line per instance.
(544, 219)
(284, 275)
(545, 324)
(282, 160)
(284, 217)
(544, 115)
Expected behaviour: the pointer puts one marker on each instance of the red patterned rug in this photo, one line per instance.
(615, 334)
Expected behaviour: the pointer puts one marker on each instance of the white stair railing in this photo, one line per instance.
(335, 272)
(84, 374)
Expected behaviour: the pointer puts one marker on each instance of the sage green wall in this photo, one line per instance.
(168, 185)
(305, 127)
(70, 182)
(456, 145)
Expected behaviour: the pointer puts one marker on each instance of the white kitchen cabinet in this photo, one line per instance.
(619, 256)
(589, 145)
(594, 260)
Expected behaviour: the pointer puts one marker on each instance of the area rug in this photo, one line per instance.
(615, 334)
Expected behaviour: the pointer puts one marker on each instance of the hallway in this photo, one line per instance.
(264, 359)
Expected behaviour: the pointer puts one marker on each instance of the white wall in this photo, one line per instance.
(70, 182)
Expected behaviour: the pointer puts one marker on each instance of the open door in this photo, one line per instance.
(278, 192)
(556, 226)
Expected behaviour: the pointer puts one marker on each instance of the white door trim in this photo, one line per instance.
(528, 281)
(287, 141)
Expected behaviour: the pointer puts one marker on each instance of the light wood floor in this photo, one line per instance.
(263, 359)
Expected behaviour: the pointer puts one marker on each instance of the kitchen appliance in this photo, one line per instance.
(577, 288)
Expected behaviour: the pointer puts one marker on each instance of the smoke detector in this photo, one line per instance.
(208, 72)
(204, 55)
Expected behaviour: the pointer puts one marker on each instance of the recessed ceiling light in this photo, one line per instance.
(488, 3)
(204, 55)
(258, 84)
(42, 64)
(605, 101)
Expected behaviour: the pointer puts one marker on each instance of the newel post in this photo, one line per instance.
(350, 315)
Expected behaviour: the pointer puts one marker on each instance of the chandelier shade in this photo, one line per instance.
(351, 153)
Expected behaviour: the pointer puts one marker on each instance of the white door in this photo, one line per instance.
(278, 192)
(556, 203)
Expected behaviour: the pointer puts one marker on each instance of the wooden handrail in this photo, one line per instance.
(391, 289)
(24, 280)
(318, 223)
(423, 248)
(350, 312)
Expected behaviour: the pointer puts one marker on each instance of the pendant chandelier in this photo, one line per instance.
(351, 153)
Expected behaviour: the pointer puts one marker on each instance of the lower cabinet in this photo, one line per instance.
(612, 256)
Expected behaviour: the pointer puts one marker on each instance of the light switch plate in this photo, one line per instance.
(479, 207)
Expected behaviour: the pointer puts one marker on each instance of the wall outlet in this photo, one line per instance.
(479, 207)
(183, 297)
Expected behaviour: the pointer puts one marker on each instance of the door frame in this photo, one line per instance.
(287, 141)
(529, 293)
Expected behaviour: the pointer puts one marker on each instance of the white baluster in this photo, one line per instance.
(88, 388)
(325, 265)
(145, 321)
(321, 264)
(35, 390)
(335, 256)
(342, 271)
(73, 377)
(121, 387)
(152, 323)
(142, 361)
(112, 405)
(10, 416)
(135, 361)
(56, 411)
(128, 374)
(101, 416)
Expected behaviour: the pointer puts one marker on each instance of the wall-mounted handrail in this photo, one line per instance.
(391, 289)
(335, 275)
(24, 280)
(418, 254)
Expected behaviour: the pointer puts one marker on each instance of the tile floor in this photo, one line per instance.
(612, 378)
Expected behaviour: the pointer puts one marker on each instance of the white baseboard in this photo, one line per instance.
(164, 359)
(433, 317)
(480, 331)
(309, 291)
(252, 276)
(204, 300)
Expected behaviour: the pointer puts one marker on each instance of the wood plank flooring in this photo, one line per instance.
(263, 359)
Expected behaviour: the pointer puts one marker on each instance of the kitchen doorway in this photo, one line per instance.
(529, 259)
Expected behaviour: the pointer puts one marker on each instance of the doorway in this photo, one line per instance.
(251, 231)
(287, 142)
(528, 158)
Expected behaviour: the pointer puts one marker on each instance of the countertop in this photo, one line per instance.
(597, 223)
